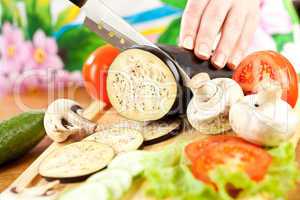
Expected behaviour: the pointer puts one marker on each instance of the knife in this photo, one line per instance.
(109, 26)
(115, 30)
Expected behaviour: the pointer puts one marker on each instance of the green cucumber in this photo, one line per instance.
(20, 134)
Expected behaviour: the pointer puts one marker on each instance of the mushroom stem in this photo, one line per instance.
(208, 110)
(270, 93)
(63, 118)
(198, 80)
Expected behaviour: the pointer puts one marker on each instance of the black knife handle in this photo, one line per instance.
(78, 3)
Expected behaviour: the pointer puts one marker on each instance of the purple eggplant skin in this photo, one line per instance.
(165, 137)
(192, 65)
(76, 179)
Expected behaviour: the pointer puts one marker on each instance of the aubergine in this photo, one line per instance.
(120, 139)
(145, 84)
(161, 130)
(76, 161)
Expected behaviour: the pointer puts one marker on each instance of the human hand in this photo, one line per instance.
(203, 20)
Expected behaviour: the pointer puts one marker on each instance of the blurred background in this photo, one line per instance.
(43, 44)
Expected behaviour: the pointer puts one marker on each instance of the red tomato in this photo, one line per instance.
(268, 65)
(195, 149)
(254, 160)
(95, 71)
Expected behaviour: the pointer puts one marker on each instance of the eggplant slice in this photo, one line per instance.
(141, 86)
(162, 130)
(76, 160)
(120, 139)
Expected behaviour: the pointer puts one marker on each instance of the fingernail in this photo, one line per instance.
(236, 60)
(220, 60)
(188, 42)
(204, 51)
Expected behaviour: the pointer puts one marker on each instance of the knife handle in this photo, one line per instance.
(78, 3)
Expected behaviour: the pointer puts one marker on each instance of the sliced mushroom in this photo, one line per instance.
(264, 118)
(63, 118)
(208, 110)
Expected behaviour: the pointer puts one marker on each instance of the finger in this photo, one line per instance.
(190, 22)
(210, 25)
(231, 32)
(244, 40)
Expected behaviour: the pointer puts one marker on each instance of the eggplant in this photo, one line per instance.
(138, 66)
(120, 139)
(76, 161)
(161, 130)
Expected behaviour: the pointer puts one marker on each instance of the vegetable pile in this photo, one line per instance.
(169, 173)
(239, 170)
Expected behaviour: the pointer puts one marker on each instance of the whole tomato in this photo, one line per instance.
(95, 71)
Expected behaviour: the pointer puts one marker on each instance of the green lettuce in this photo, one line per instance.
(168, 176)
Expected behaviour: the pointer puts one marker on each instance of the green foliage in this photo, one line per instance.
(66, 16)
(175, 3)
(171, 35)
(38, 16)
(9, 12)
(76, 45)
(168, 175)
(282, 39)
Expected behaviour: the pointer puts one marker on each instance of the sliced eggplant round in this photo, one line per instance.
(88, 191)
(77, 160)
(120, 139)
(162, 130)
(141, 86)
(130, 161)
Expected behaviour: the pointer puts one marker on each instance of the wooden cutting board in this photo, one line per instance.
(111, 117)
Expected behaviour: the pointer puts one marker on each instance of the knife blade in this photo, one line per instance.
(115, 30)
(111, 27)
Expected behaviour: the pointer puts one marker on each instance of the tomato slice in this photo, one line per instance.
(195, 149)
(265, 67)
(254, 160)
(95, 71)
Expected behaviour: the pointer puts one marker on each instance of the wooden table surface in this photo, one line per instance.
(12, 105)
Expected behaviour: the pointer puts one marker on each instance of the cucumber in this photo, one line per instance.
(88, 191)
(118, 181)
(130, 161)
(20, 134)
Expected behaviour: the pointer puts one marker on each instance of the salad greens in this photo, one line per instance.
(169, 176)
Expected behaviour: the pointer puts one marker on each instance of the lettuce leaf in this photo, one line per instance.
(169, 176)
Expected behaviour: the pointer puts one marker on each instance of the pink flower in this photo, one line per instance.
(13, 49)
(5, 85)
(44, 53)
(274, 17)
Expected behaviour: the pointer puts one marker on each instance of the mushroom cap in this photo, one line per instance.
(268, 124)
(209, 108)
(232, 90)
(63, 118)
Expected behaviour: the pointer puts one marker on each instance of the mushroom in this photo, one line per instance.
(208, 110)
(264, 118)
(63, 118)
